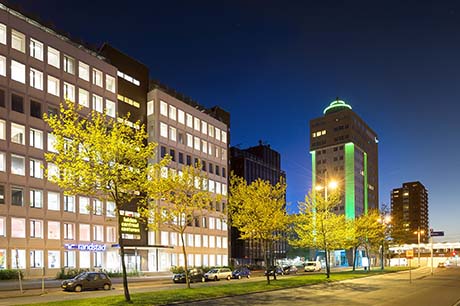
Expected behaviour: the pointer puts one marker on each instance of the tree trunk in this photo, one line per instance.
(368, 258)
(328, 268)
(122, 255)
(184, 251)
(264, 249)
(354, 258)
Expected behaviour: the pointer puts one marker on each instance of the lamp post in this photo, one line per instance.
(330, 184)
(419, 232)
(385, 220)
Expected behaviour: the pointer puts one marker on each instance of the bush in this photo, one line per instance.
(67, 273)
(120, 274)
(10, 274)
(177, 270)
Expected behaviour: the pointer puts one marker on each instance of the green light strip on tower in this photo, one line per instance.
(350, 180)
(365, 184)
(313, 171)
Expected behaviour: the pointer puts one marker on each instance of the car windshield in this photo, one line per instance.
(81, 276)
(311, 264)
(213, 271)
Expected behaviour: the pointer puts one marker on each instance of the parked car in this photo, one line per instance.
(195, 275)
(441, 265)
(274, 270)
(312, 266)
(218, 273)
(290, 270)
(87, 280)
(241, 272)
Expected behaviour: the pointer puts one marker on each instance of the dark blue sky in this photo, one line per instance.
(276, 64)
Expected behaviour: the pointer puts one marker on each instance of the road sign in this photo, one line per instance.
(437, 234)
(410, 254)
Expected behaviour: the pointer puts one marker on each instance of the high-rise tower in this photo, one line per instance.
(344, 148)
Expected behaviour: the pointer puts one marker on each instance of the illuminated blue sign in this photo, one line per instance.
(86, 247)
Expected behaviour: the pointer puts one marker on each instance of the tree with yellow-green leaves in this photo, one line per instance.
(318, 226)
(98, 156)
(258, 211)
(184, 196)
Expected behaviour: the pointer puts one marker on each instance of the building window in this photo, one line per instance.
(17, 164)
(2, 65)
(69, 259)
(224, 137)
(97, 103)
(217, 131)
(189, 160)
(97, 77)
(83, 71)
(54, 230)
(18, 133)
(53, 57)
(18, 228)
(54, 201)
(36, 259)
(2, 129)
(84, 205)
(111, 234)
(85, 234)
(69, 92)
(18, 72)
(36, 168)
(181, 116)
(110, 209)
(18, 41)
(181, 158)
(69, 203)
(172, 153)
(196, 124)
(97, 207)
(36, 229)
(150, 108)
(50, 143)
(2, 33)
(17, 103)
(110, 83)
(69, 231)
(189, 140)
(54, 260)
(197, 143)
(189, 120)
(69, 64)
(36, 49)
(83, 97)
(172, 113)
(163, 130)
(2, 234)
(36, 138)
(204, 146)
(36, 198)
(172, 133)
(35, 109)
(98, 259)
(211, 131)
(98, 233)
(53, 86)
(19, 261)
(163, 108)
(2, 194)
(110, 108)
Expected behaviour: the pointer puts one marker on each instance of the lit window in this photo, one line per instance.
(36, 229)
(36, 168)
(217, 133)
(2, 168)
(97, 207)
(69, 64)
(53, 85)
(163, 130)
(204, 127)
(69, 231)
(110, 108)
(69, 92)
(110, 83)
(189, 120)
(97, 77)
(224, 137)
(2, 65)
(54, 259)
(98, 233)
(197, 143)
(53, 171)
(36, 79)
(172, 133)
(36, 49)
(36, 198)
(163, 108)
(18, 41)
(18, 72)
(17, 165)
(69, 259)
(54, 230)
(83, 71)
(85, 234)
(54, 202)
(110, 209)
(97, 103)
(197, 124)
(181, 116)
(2, 129)
(212, 244)
(150, 108)
(50, 143)
(53, 57)
(69, 203)
(83, 97)
(18, 133)
(2, 234)
(172, 113)
(2, 33)
(189, 140)
(204, 146)
(18, 228)
(211, 131)
(84, 205)
(111, 234)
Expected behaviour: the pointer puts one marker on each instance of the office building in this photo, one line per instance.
(409, 213)
(258, 162)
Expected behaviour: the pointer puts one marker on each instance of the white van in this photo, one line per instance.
(312, 266)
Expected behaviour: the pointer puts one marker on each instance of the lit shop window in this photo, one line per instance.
(69, 64)
(36, 49)
(54, 259)
(53, 86)
(110, 83)
(2, 33)
(85, 259)
(83, 97)
(2, 65)
(98, 259)
(54, 230)
(18, 41)
(18, 72)
(36, 79)
(97, 77)
(83, 71)
(69, 92)
(53, 57)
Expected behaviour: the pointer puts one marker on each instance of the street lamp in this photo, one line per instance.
(329, 185)
(385, 221)
(419, 232)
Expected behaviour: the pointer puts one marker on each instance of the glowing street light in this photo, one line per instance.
(330, 185)
(419, 232)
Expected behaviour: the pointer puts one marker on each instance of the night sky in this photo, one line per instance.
(274, 65)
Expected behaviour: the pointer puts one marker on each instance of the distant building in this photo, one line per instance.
(409, 212)
(251, 164)
(345, 149)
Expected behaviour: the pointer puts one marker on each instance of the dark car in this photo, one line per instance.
(274, 270)
(290, 270)
(241, 272)
(87, 280)
(195, 275)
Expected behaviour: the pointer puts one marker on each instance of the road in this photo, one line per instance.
(394, 289)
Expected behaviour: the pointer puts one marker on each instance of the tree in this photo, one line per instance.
(101, 157)
(184, 196)
(318, 226)
(367, 232)
(258, 211)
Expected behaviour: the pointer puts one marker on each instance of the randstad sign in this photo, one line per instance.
(86, 247)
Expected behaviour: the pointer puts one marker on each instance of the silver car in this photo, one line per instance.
(218, 273)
